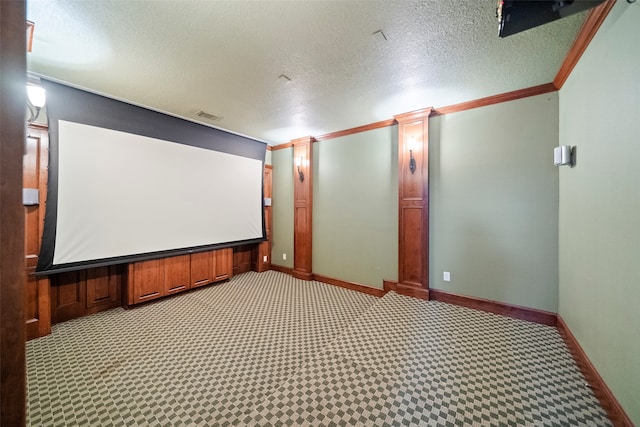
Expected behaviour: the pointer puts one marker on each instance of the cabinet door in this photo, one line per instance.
(177, 274)
(223, 264)
(103, 287)
(202, 268)
(146, 280)
(68, 295)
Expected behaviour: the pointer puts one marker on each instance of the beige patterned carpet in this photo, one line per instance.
(269, 350)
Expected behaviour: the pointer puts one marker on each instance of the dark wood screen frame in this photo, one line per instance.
(302, 208)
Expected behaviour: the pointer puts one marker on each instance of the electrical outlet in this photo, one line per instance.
(284, 257)
(264, 258)
(446, 276)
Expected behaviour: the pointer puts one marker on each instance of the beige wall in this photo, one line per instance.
(599, 219)
(282, 207)
(494, 202)
(355, 207)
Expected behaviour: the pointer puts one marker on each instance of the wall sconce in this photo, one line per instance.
(36, 99)
(412, 160)
(564, 155)
(299, 165)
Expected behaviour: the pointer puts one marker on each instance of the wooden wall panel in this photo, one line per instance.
(413, 250)
(34, 174)
(84, 292)
(302, 240)
(68, 296)
(303, 207)
(242, 258)
(37, 306)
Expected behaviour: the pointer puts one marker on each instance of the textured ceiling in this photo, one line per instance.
(181, 57)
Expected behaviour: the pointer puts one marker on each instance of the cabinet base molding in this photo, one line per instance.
(331, 281)
(608, 401)
(282, 269)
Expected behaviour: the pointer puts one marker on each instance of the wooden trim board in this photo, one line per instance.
(335, 282)
(589, 29)
(349, 285)
(509, 310)
(351, 131)
(608, 401)
(496, 99)
(504, 309)
(282, 269)
(280, 146)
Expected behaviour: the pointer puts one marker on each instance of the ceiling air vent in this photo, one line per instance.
(208, 116)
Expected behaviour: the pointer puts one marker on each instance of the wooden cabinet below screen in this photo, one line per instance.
(177, 274)
(145, 280)
(156, 278)
(80, 293)
(210, 267)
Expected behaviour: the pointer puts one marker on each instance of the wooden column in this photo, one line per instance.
(302, 206)
(12, 108)
(413, 203)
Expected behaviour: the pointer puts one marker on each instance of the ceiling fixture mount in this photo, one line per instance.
(208, 116)
(380, 33)
(284, 78)
(30, 28)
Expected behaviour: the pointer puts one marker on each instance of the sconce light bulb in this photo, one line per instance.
(412, 143)
(36, 95)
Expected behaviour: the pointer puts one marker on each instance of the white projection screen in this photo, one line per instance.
(119, 193)
(122, 194)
